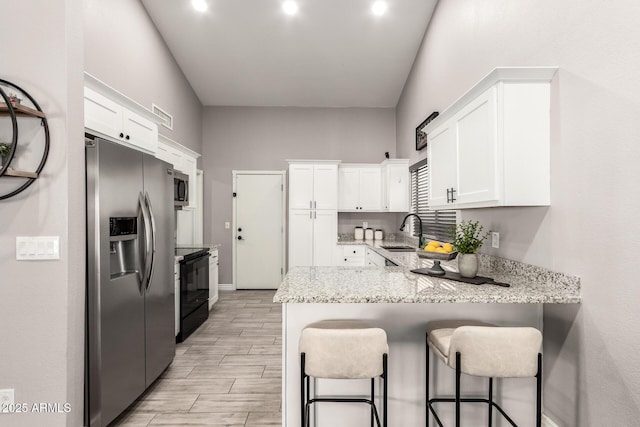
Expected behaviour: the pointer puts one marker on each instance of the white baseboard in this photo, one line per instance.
(226, 287)
(546, 422)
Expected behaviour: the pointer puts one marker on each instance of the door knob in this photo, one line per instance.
(239, 229)
(239, 237)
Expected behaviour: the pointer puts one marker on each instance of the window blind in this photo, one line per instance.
(437, 225)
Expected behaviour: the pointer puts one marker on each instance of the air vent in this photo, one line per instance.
(167, 119)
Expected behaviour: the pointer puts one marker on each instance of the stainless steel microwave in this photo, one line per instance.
(180, 189)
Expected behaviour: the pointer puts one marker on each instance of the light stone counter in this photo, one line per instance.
(403, 303)
(529, 284)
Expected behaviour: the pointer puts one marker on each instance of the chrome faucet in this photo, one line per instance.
(420, 241)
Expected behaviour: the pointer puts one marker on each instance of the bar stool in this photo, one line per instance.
(484, 350)
(342, 349)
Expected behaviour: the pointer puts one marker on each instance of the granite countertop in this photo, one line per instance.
(529, 284)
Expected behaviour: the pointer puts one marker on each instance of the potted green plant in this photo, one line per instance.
(5, 151)
(467, 239)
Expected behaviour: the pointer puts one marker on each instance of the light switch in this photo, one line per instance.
(36, 248)
(7, 398)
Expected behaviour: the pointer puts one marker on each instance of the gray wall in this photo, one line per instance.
(41, 303)
(591, 228)
(262, 138)
(124, 50)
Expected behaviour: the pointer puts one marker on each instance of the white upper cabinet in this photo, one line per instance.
(374, 187)
(110, 114)
(396, 183)
(359, 188)
(313, 185)
(492, 146)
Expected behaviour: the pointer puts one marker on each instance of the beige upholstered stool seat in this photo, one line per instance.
(343, 349)
(487, 350)
(484, 350)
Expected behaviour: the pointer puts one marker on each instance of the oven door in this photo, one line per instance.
(194, 284)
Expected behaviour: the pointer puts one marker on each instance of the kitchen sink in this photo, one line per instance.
(399, 248)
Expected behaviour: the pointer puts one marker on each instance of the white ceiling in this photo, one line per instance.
(332, 53)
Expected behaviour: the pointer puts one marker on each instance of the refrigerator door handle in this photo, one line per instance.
(153, 240)
(146, 267)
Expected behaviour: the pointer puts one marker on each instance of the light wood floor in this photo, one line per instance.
(228, 373)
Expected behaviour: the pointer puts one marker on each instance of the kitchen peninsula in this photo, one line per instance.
(403, 303)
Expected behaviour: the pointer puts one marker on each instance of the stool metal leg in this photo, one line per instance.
(458, 374)
(426, 415)
(309, 399)
(539, 392)
(490, 400)
(384, 401)
(303, 396)
(372, 397)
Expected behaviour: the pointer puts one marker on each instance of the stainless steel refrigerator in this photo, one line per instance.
(130, 280)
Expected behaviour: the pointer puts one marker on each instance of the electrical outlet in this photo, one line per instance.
(227, 225)
(495, 239)
(365, 224)
(6, 399)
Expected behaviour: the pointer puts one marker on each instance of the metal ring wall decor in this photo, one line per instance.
(14, 140)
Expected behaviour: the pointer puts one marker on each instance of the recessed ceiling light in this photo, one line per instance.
(290, 7)
(379, 7)
(199, 5)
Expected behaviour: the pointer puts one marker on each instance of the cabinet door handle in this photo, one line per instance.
(121, 135)
(315, 205)
(453, 190)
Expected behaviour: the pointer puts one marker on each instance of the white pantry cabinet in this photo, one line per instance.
(313, 185)
(313, 212)
(492, 146)
(312, 237)
(110, 114)
(359, 188)
(396, 185)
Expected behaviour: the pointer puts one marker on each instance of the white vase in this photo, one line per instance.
(468, 265)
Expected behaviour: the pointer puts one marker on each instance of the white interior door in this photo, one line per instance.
(259, 230)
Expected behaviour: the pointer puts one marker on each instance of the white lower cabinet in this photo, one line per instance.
(374, 258)
(350, 255)
(312, 237)
(214, 264)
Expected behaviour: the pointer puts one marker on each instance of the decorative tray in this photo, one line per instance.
(436, 255)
